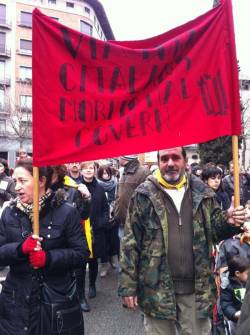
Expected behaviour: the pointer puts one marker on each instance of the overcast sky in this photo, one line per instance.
(139, 19)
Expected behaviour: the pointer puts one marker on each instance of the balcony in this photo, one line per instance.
(4, 110)
(5, 52)
(25, 81)
(4, 82)
(24, 52)
(27, 110)
(25, 24)
(5, 23)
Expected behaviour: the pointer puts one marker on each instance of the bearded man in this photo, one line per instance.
(172, 222)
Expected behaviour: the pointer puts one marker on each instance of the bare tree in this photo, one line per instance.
(245, 125)
(19, 114)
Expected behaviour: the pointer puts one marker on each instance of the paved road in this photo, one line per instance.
(107, 316)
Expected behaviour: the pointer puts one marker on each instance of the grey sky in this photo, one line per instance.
(139, 19)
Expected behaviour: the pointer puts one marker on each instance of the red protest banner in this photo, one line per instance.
(94, 99)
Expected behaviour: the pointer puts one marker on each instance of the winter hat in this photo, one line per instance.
(129, 157)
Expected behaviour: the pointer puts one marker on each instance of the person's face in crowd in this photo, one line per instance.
(198, 173)
(24, 184)
(88, 172)
(23, 154)
(242, 276)
(105, 175)
(2, 168)
(214, 182)
(74, 167)
(172, 164)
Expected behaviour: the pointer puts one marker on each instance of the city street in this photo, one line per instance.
(107, 316)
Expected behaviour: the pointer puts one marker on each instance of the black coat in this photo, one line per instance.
(231, 247)
(222, 198)
(231, 299)
(7, 188)
(66, 249)
(243, 325)
(99, 216)
(228, 186)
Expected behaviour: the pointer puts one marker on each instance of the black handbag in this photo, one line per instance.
(60, 311)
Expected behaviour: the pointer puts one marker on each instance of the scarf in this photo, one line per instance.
(108, 185)
(28, 208)
(163, 182)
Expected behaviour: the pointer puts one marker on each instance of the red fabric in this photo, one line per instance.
(29, 245)
(37, 259)
(94, 99)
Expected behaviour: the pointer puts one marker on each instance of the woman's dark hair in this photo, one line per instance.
(238, 263)
(44, 171)
(61, 172)
(195, 168)
(101, 170)
(6, 167)
(210, 172)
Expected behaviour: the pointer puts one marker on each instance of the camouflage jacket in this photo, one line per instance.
(144, 261)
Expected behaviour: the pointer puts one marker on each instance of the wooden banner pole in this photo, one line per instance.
(236, 170)
(36, 201)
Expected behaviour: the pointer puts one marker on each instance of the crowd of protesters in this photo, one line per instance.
(83, 209)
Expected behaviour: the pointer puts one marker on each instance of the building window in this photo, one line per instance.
(26, 46)
(2, 70)
(2, 42)
(245, 84)
(86, 28)
(4, 154)
(52, 1)
(54, 18)
(26, 19)
(1, 100)
(70, 4)
(25, 73)
(87, 10)
(26, 102)
(2, 14)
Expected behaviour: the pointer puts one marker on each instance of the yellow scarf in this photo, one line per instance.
(69, 182)
(163, 182)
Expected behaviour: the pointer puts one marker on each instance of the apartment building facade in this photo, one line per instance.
(245, 117)
(86, 16)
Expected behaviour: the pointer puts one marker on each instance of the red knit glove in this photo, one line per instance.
(37, 259)
(29, 245)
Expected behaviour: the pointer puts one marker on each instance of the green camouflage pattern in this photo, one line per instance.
(144, 263)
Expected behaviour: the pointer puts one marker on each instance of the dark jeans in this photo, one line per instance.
(80, 275)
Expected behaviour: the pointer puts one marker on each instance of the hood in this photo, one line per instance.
(131, 166)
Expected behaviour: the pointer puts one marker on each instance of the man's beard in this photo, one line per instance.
(172, 179)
